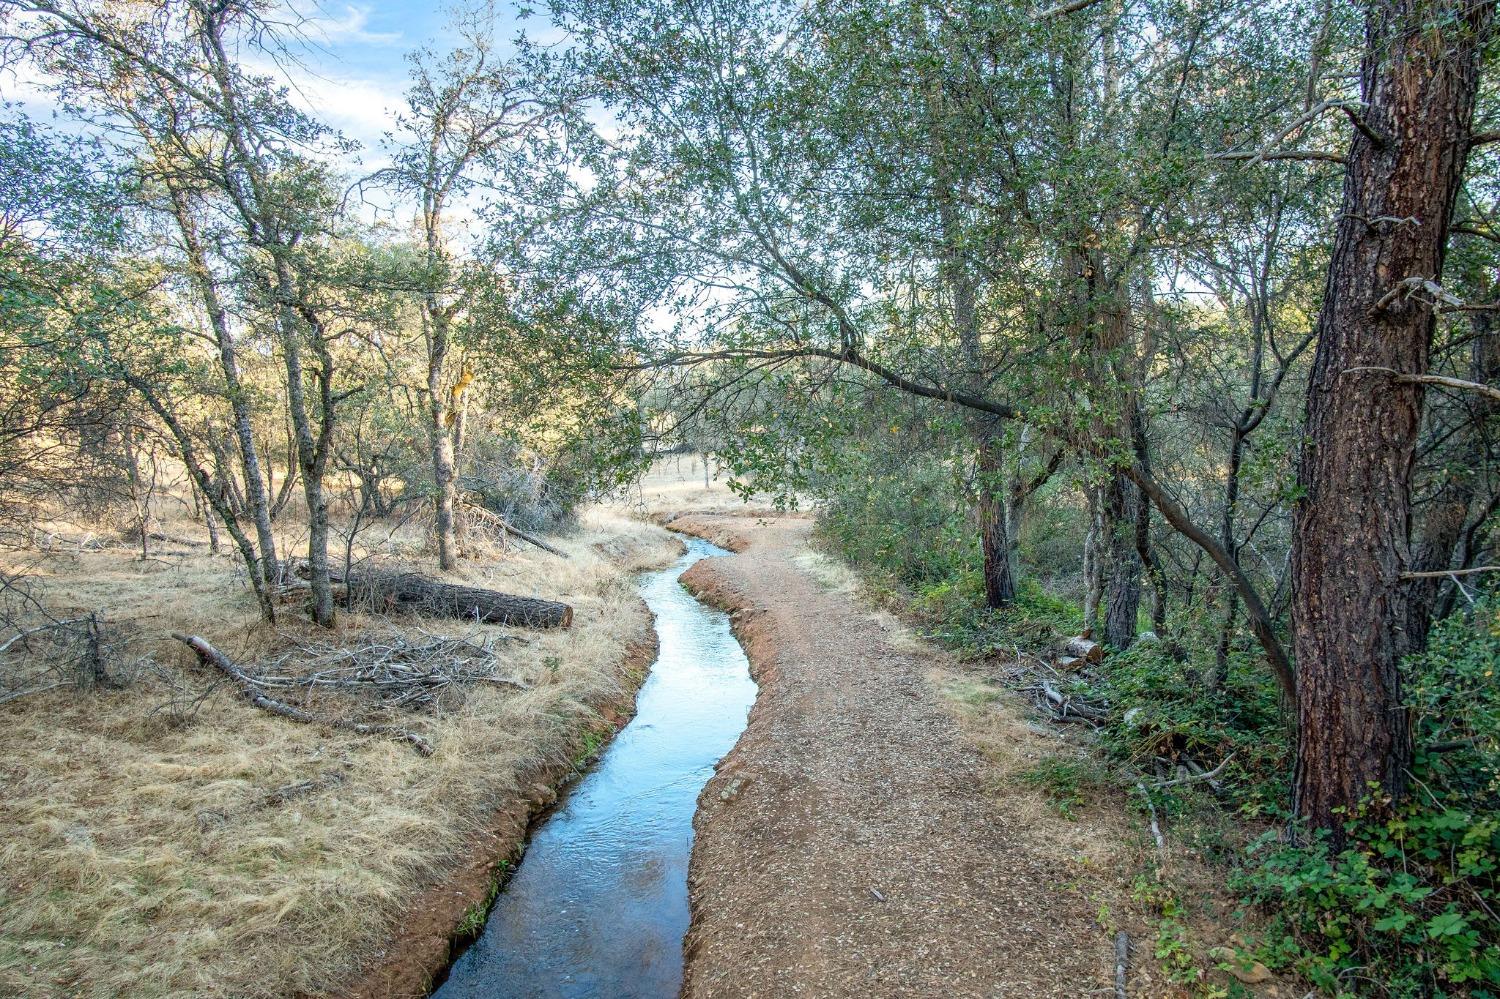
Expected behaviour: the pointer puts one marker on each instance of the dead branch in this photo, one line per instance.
(400, 672)
(1161, 843)
(1122, 962)
(1282, 154)
(1442, 573)
(1408, 287)
(23, 634)
(1206, 775)
(508, 528)
(247, 685)
(1067, 706)
(1071, 7)
(17, 695)
(327, 779)
(1490, 391)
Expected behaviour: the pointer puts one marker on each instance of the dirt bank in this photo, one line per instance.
(856, 842)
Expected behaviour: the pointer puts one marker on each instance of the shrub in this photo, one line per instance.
(1407, 911)
(1161, 709)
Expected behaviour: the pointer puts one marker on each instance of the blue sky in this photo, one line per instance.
(350, 70)
(354, 73)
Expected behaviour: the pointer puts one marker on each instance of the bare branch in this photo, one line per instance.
(1071, 7)
(1283, 154)
(1444, 573)
(1490, 391)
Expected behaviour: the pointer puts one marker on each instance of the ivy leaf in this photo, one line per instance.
(1395, 921)
(1447, 924)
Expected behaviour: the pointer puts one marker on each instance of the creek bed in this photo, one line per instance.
(599, 905)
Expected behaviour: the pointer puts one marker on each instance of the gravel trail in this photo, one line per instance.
(850, 845)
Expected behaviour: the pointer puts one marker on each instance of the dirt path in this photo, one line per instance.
(854, 843)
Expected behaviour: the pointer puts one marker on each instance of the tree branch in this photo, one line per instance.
(1454, 383)
(1255, 608)
(1284, 154)
(1071, 7)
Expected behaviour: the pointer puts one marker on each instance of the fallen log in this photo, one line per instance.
(1084, 648)
(417, 594)
(414, 593)
(210, 656)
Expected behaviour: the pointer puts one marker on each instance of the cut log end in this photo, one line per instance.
(1085, 648)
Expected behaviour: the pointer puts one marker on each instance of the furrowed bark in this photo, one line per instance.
(1352, 613)
(994, 540)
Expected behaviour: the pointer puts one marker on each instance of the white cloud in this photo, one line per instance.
(362, 108)
(350, 26)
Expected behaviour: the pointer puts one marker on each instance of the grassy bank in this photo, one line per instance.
(168, 839)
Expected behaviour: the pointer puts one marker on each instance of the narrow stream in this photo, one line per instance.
(599, 905)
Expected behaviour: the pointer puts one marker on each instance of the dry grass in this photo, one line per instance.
(676, 485)
(150, 856)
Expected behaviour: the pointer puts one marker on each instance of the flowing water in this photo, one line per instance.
(599, 905)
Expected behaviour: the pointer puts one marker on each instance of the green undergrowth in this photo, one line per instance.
(1069, 784)
(1409, 908)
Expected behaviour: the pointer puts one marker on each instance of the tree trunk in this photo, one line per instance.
(1352, 614)
(1149, 564)
(442, 413)
(1122, 598)
(994, 541)
(311, 450)
(1093, 569)
(256, 495)
(212, 493)
(445, 492)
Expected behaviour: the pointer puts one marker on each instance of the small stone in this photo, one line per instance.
(733, 790)
(1249, 971)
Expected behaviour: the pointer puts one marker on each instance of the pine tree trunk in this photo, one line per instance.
(1352, 608)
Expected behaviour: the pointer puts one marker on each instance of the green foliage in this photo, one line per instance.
(906, 529)
(1410, 906)
(953, 611)
(1162, 709)
(1068, 783)
(1173, 948)
(1454, 696)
